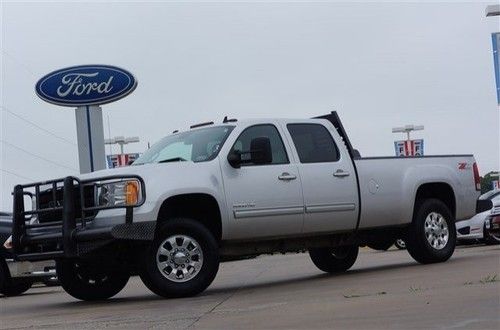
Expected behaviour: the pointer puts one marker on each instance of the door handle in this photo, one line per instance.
(340, 173)
(285, 176)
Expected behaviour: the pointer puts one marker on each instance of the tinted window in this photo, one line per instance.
(242, 144)
(314, 143)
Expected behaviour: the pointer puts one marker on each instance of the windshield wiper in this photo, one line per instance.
(176, 159)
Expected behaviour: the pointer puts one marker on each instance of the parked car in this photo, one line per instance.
(493, 223)
(240, 188)
(17, 277)
(473, 229)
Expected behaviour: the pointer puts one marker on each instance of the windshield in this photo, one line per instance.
(198, 145)
(489, 195)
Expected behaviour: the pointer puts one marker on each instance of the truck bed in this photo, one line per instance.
(394, 181)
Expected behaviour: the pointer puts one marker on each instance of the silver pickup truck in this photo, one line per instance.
(239, 188)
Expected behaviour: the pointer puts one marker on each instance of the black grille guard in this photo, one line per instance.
(66, 233)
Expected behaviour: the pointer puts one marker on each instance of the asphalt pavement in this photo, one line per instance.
(384, 290)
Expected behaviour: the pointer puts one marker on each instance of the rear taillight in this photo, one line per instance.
(477, 178)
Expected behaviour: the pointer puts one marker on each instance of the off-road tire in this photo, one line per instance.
(417, 243)
(158, 282)
(334, 260)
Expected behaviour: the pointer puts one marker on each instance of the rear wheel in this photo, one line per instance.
(87, 280)
(182, 261)
(334, 260)
(432, 234)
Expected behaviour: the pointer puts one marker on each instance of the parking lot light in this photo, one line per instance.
(493, 10)
(407, 129)
(121, 140)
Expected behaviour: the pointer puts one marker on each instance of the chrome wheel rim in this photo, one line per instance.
(436, 230)
(179, 258)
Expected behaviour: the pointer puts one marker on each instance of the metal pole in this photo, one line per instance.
(90, 134)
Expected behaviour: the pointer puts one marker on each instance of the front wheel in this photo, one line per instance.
(432, 235)
(334, 260)
(490, 239)
(10, 287)
(90, 281)
(182, 260)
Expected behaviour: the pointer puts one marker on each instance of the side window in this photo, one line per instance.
(314, 143)
(242, 144)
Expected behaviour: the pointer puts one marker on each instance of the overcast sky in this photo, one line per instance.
(378, 64)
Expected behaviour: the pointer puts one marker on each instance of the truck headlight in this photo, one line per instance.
(119, 193)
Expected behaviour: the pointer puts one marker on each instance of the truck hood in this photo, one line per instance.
(162, 180)
(145, 171)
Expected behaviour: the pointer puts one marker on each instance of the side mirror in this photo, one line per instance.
(234, 159)
(259, 154)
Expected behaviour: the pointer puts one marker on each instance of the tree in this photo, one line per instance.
(487, 180)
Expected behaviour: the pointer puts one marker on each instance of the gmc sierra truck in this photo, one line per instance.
(235, 189)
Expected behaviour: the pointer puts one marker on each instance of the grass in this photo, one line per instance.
(489, 279)
(414, 289)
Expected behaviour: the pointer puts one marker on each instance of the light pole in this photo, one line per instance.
(493, 10)
(407, 129)
(121, 140)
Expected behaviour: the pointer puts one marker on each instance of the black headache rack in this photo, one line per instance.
(67, 207)
(334, 118)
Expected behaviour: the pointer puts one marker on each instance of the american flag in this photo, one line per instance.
(409, 148)
(119, 160)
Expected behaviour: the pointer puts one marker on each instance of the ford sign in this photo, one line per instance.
(85, 85)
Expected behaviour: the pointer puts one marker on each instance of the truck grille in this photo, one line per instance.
(46, 201)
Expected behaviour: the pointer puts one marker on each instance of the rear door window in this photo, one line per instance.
(314, 143)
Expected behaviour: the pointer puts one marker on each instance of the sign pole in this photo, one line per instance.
(90, 134)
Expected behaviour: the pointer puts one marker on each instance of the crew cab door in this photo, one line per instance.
(328, 178)
(264, 200)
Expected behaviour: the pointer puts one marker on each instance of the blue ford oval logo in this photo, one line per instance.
(85, 85)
